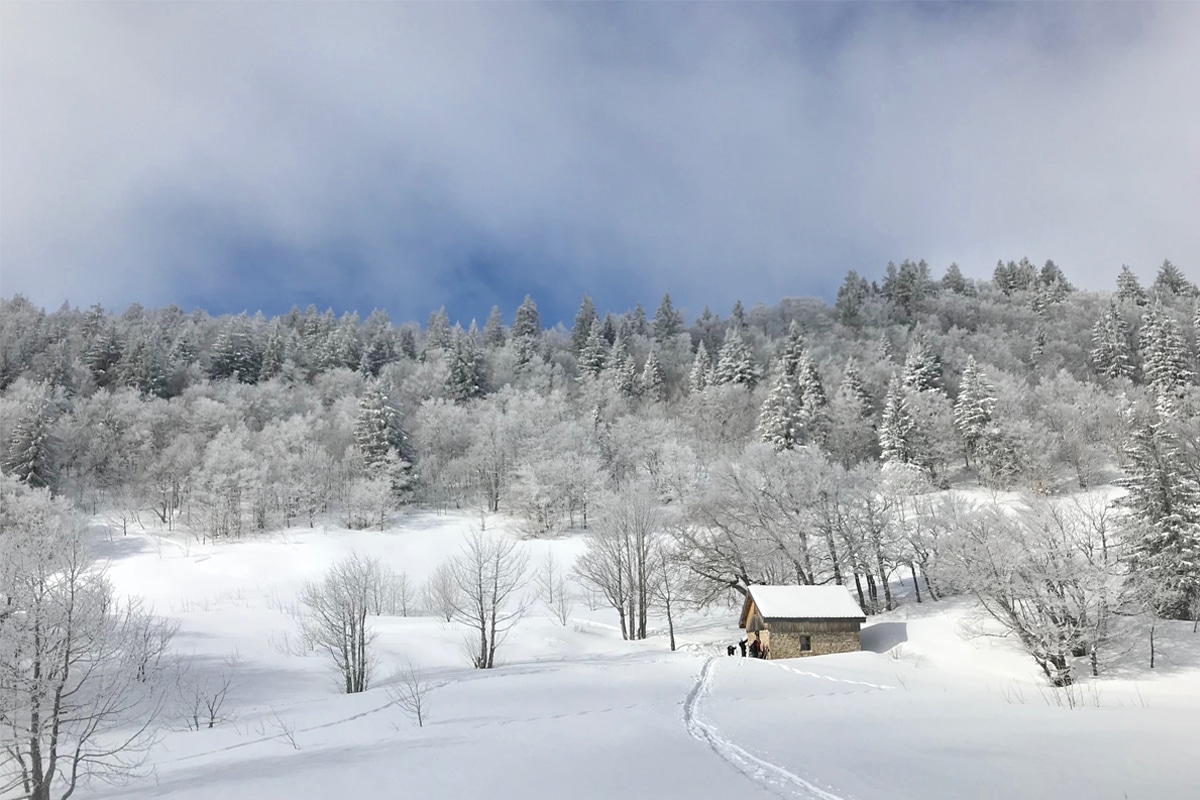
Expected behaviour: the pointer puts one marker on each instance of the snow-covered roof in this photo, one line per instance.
(805, 602)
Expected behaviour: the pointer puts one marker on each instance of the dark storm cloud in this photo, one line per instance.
(410, 155)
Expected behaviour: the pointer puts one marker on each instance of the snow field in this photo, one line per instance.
(576, 712)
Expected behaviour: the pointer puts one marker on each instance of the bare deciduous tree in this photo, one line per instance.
(410, 689)
(335, 617)
(201, 697)
(489, 575)
(441, 592)
(80, 683)
(619, 558)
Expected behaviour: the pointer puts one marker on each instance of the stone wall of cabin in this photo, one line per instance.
(827, 637)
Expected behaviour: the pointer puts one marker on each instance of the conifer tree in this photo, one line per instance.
(621, 365)
(377, 429)
(973, 408)
(1164, 356)
(653, 379)
(701, 365)
(637, 320)
(953, 280)
(1112, 355)
(593, 355)
(465, 380)
(850, 298)
(668, 323)
(1164, 495)
(851, 437)
(32, 446)
(236, 352)
(735, 363)
(738, 315)
(527, 324)
(583, 325)
(781, 421)
(493, 330)
(1128, 288)
(1170, 281)
(897, 427)
(274, 354)
(808, 384)
(437, 330)
(922, 369)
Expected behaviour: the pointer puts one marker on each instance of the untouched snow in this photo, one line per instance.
(576, 712)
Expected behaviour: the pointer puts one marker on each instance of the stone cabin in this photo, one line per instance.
(795, 621)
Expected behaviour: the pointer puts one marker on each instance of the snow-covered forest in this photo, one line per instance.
(1018, 442)
(796, 443)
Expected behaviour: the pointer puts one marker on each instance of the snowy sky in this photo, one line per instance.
(406, 156)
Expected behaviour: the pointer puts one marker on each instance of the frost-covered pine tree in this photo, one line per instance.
(653, 380)
(620, 364)
(1170, 281)
(493, 330)
(781, 421)
(582, 328)
(668, 323)
(735, 363)
(1112, 355)
(808, 384)
(594, 353)
(701, 366)
(465, 380)
(1164, 496)
(851, 436)
(953, 280)
(973, 408)
(527, 324)
(897, 428)
(236, 351)
(1164, 357)
(922, 369)
(376, 430)
(31, 448)
(437, 330)
(1128, 288)
(274, 354)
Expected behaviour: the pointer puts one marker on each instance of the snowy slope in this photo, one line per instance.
(576, 712)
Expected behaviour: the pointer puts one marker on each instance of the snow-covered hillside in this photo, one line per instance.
(576, 712)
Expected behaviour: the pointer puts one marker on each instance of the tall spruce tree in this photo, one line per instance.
(583, 325)
(653, 380)
(1170, 281)
(1164, 356)
(1164, 496)
(620, 365)
(668, 323)
(592, 356)
(781, 421)
(527, 323)
(437, 330)
(922, 369)
(897, 428)
(465, 379)
(493, 330)
(735, 362)
(1112, 354)
(32, 446)
(1128, 288)
(973, 407)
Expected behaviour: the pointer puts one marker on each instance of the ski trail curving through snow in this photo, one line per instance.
(771, 776)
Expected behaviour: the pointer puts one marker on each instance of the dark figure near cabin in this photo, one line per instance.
(729, 650)
(754, 646)
(742, 644)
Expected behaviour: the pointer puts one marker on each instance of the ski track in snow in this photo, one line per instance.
(770, 776)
